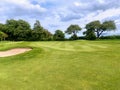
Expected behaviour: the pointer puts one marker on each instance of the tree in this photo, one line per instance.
(108, 26)
(17, 29)
(59, 35)
(40, 33)
(2, 27)
(3, 35)
(92, 27)
(46, 35)
(90, 35)
(98, 28)
(37, 26)
(73, 29)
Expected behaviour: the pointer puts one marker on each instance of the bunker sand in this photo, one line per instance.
(13, 52)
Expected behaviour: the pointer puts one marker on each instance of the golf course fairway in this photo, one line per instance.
(61, 65)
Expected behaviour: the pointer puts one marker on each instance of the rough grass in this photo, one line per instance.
(69, 65)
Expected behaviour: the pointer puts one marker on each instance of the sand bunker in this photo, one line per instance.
(12, 52)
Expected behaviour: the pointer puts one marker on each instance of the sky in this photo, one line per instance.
(59, 14)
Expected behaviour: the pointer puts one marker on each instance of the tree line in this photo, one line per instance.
(20, 30)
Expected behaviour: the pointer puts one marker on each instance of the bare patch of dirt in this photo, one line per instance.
(12, 52)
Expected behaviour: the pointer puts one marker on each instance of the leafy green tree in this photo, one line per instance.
(107, 26)
(90, 35)
(73, 29)
(98, 28)
(39, 33)
(3, 35)
(92, 27)
(2, 27)
(37, 26)
(17, 29)
(47, 36)
(73, 37)
(59, 35)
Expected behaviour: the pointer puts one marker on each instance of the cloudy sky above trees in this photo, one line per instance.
(59, 14)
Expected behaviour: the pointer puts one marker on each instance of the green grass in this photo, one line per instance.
(69, 65)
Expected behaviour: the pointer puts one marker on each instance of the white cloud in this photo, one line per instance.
(77, 4)
(19, 8)
(101, 1)
(108, 13)
(55, 14)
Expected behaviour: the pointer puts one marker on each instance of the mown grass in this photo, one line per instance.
(69, 65)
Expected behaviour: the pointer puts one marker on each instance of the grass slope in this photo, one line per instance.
(69, 65)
